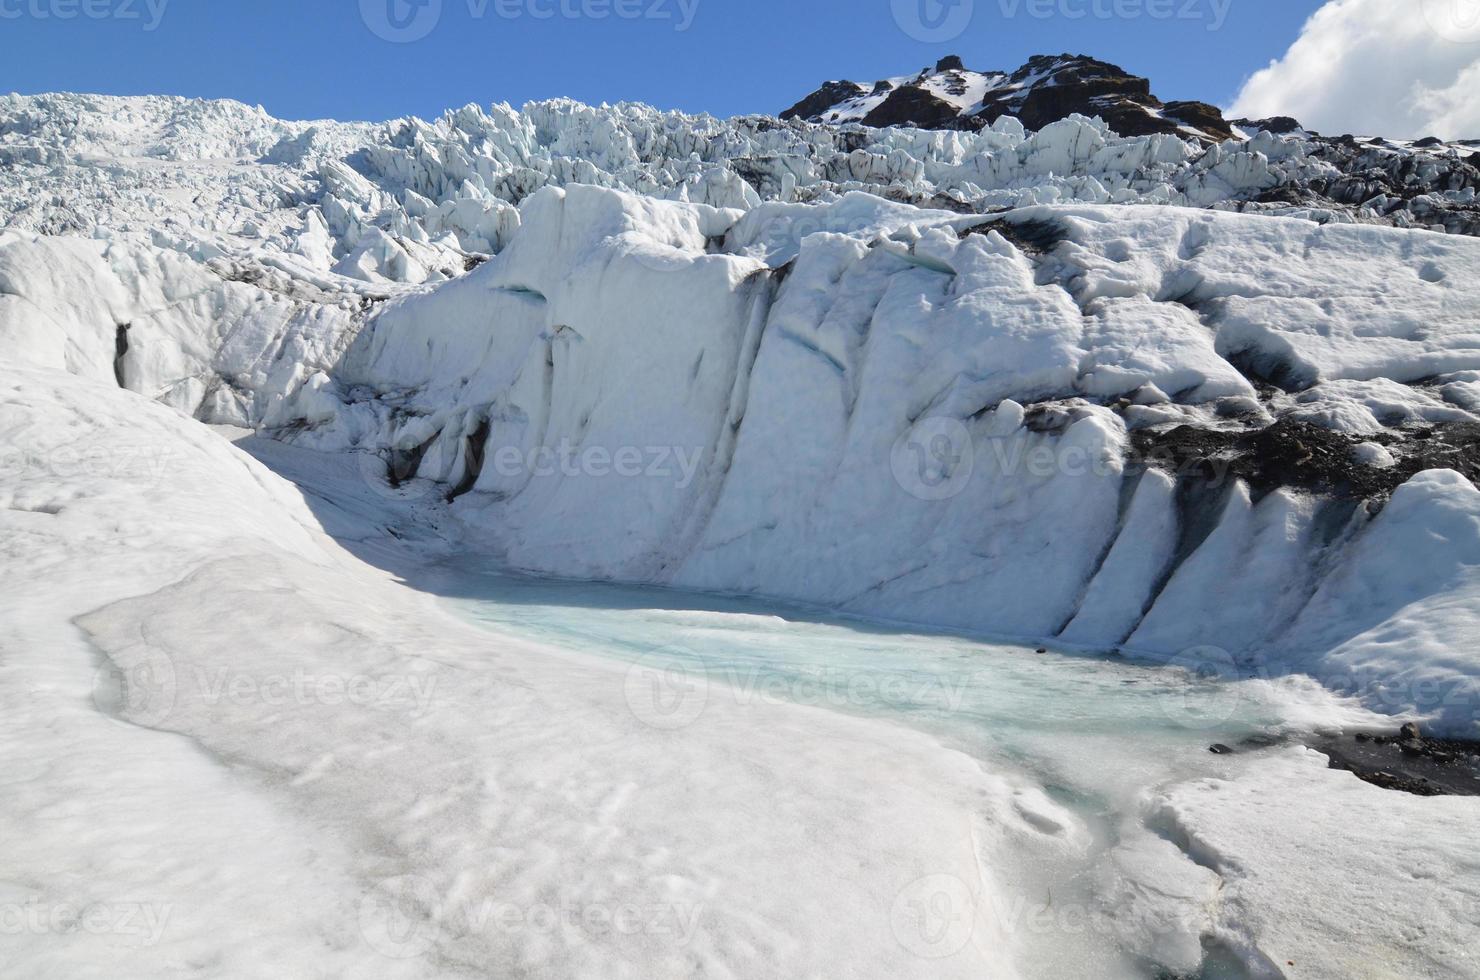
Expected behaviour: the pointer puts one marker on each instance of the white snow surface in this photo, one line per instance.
(263, 819)
(1305, 854)
(232, 748)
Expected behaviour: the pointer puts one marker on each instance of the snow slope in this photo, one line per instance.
(381, 790)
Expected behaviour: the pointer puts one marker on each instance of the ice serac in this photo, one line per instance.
(960, 421)
(621, 335)
(361, 209)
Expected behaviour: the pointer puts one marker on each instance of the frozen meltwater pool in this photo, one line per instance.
(1099, 727)
(1100, 735)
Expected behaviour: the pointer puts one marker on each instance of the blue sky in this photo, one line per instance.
(318, 58)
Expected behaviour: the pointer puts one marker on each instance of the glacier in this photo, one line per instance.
(1117, 395)
(768, 371)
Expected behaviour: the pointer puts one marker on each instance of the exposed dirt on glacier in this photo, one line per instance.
(1420, 766)
(1299, 455)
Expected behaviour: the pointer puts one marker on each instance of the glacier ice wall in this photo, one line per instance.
(1156, 428)
(959, 422)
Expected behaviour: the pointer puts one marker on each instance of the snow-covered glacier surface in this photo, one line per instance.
(1094, 395)
(1161, 863)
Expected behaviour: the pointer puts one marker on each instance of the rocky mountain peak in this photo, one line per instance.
(1044, 90)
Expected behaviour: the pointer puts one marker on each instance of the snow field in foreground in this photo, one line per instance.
(247, 752)
(526, 781)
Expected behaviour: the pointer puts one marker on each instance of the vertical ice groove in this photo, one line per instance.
(763, 287)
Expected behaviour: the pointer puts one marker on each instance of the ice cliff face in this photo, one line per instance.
(1155, 428)
(1159, 429)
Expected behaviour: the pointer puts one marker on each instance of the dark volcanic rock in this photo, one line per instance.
(913, 106)
(1048, 89)
(1200, 116)
(1043, 91)
(1033, 237)
(1280, 125)
(831, 93)
(1431, 767)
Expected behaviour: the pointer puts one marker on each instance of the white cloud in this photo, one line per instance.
(1395, 68)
